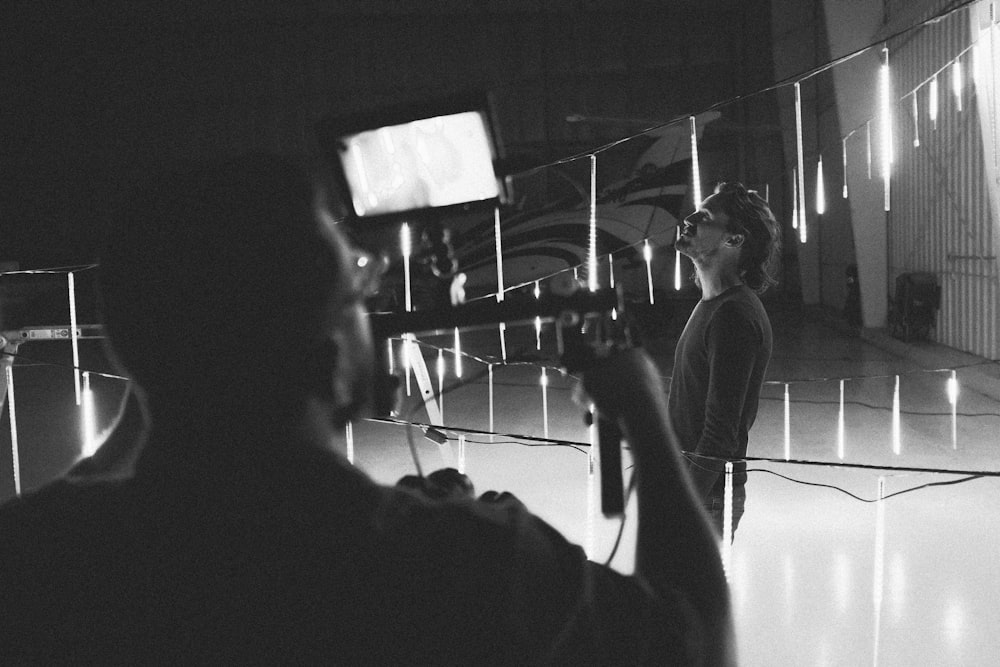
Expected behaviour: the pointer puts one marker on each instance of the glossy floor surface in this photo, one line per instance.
(818, 577)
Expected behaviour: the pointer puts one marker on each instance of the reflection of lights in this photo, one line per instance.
(952, 389)
(841, 581)
(896, 427)
(840, 425)
(788, 425)
(953, 622)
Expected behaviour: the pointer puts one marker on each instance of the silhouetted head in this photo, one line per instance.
(226, 285)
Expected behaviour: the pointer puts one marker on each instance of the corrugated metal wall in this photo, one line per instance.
(941, 221)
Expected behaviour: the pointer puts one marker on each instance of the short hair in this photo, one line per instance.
(751, 216)
(216, 275)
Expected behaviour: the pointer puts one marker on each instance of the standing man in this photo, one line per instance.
(723, 352)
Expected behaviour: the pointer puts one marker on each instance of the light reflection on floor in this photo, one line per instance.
(817, 578)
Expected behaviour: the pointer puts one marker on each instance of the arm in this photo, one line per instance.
(676, 549)
(732, 342)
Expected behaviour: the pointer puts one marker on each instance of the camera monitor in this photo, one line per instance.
(413, 158)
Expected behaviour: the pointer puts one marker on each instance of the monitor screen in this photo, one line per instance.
(432, 162)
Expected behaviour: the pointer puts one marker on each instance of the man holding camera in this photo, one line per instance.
(244, 537)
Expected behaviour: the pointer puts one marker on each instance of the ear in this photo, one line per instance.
(735, 241)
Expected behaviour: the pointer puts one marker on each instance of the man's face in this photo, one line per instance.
(704, 233)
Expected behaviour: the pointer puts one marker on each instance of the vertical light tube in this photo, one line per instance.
(440, 374)
(800, 161)
(458, 354)
(795, 198)
(916, 120)
(727, 521)
(544, 381)
(499, 250)
(88, 419)
(592, 433)
(788, 425)
(349, 438)
(843, 153)
(896, 426)
(952, 388)
(647, 255)
(592, 234)
(390, 357)
(767, 192)
(820, 188)
(886, 113)
(956, 82)
(538, 319)
(611, 280)
(932, 101)
(14, 452)
(74, 334)
(461, 453)
(489, 370)
(406, 247)
(695, 168)
(677, 262)
(841, 427)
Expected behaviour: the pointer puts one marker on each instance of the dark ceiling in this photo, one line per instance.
(97, 95)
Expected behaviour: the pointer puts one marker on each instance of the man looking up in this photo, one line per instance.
(244, 537)
(723, 352)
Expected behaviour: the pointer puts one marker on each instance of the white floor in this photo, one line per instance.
(818, 577)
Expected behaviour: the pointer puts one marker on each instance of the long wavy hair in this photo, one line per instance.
(751, 216)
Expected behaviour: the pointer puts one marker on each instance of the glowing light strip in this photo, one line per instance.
(349, 437)
(727, 521)
(896, 427)
(545, 402)
(916, 122)
(932, 101)
(647, 255)
(592, 433)
(886, 108)
(502, 327)
(677, 263)
(843, 152)
(878, 570)
(841, 425)
(88, 419)
(538, 319)
(458, 354)
(74, 334)
(440, 374)
(800, 158)
(695, 168)
(461, 453)
(956, 83)
(820, 188)
(788, 425)
(592, 238)
(405, 247)
(489, 370)
(389, 356)
(795, 198)
(14, 452)
(611, 279)
(952, 390)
